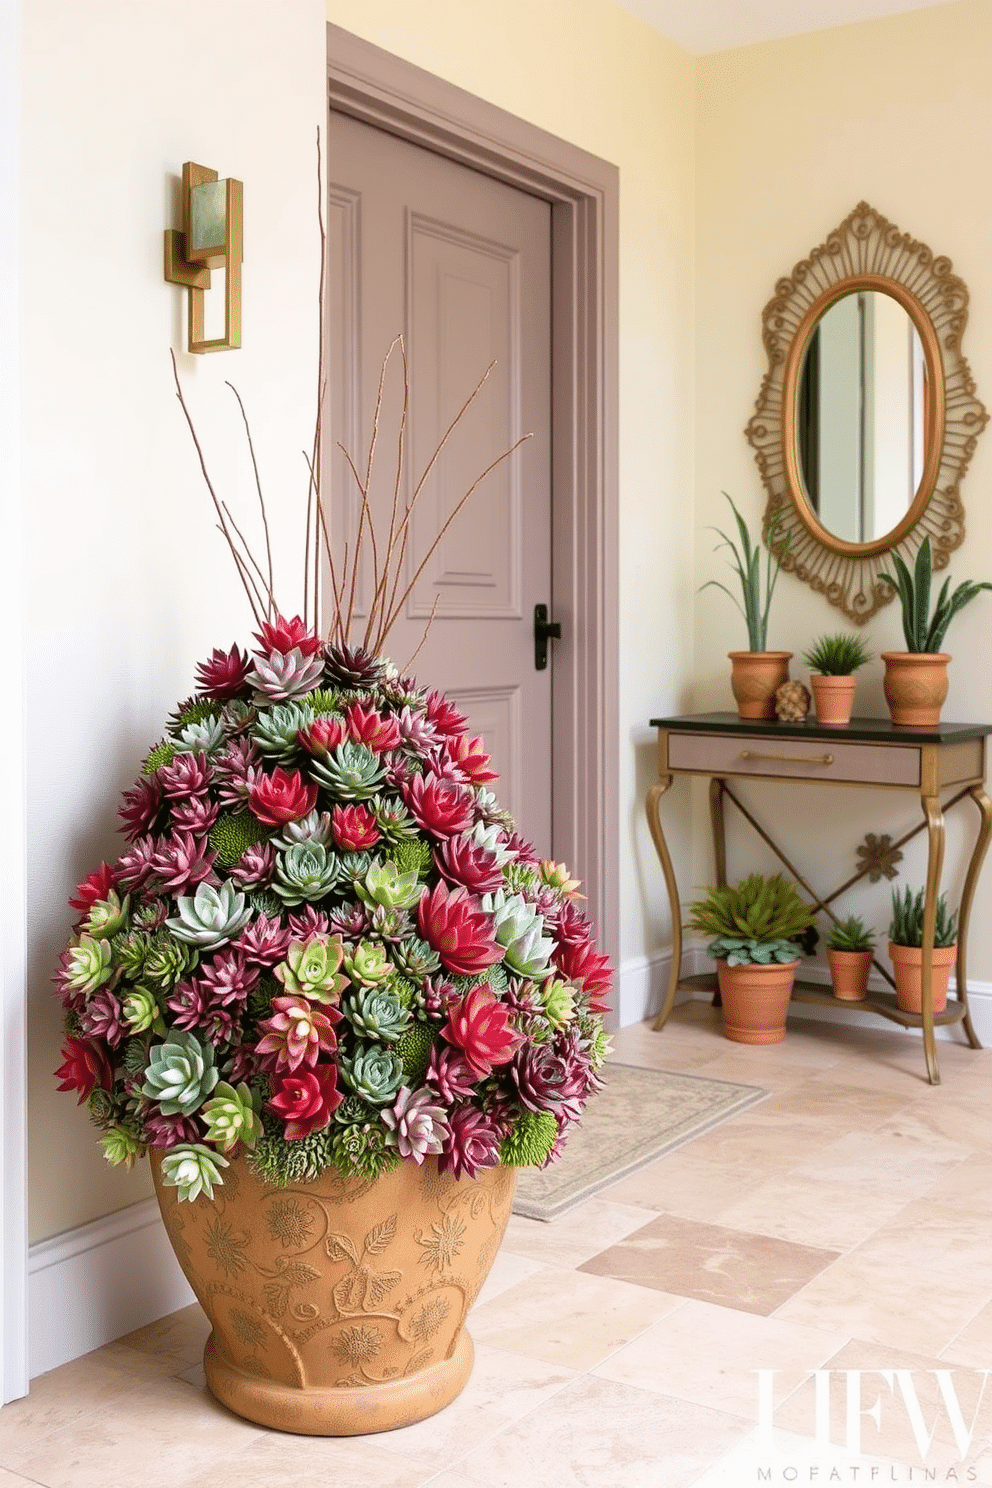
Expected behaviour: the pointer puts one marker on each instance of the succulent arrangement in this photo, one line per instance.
(324, 942)
(747, 562)
(851, 935)
(925, 631)
(758, 921)
(906, 927)
(836, 655)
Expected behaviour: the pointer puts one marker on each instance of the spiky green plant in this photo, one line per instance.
(906, 927)
(747, 561)
(923, 631)
(851, 935)
(836, 655)
(758, 909)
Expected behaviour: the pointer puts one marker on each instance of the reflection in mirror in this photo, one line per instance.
(861, 415)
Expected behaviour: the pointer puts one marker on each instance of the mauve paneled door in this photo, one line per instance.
(461, 265)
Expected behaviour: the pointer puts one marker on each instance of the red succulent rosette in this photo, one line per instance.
(442, 807)
(285, 635)
(323, 735)
(471, 759)
(94, 887)
(86, 1067)
(354, 828)
(366, 726)
(306, 1101)
(585, 966)
(479, 1025)
(281, 797)
(459, 930)
(443, 714)
(223, 676)
(466, 862)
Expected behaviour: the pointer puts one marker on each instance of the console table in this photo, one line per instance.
(942, 766)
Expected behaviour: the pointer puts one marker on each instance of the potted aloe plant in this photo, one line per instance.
(915, 682)
(906, 950)
(756, 673)
(850, 951)
(833, 661)
(757, 926)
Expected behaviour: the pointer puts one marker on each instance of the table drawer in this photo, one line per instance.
(795, 759)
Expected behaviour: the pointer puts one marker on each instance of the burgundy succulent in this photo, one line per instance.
(472, 1144)
(223, 676)
(459, 930)
(264, 942)
(255, 867)
(101, 1018)
(187, 775)
(552, 1079)
(197, 814)
(448, 1072)
(142, 804)
(163, 1132)
(182, 861)
(86, 1067)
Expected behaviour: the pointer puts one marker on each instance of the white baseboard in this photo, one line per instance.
(99, 1281)
(643, 982)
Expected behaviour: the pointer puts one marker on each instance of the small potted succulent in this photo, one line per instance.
(757, 673)
(850, 951)
(915, 681)
(758, 926)
(833, 661)
(906, 950)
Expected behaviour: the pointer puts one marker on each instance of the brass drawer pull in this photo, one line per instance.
(789, 759)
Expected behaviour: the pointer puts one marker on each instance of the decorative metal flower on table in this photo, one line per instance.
(878, 858)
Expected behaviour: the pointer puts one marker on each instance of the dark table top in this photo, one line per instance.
(875, 730)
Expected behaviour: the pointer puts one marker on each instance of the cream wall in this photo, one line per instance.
(127, 585)
(790, 136)
(598, 77)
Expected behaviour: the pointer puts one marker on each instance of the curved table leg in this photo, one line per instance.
(984, 805)
(935, 862)
(717, 786)
(661, 848)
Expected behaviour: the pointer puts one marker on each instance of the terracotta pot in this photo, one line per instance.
(337, 1306)
(849, 972)
(755, 1000)
(907, 964)
(754, 678)
(834, 697)
(915, 686)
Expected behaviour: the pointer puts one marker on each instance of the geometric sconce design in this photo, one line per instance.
(212, 237)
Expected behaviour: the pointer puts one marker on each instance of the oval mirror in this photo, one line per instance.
(867, 417)
(861, 415)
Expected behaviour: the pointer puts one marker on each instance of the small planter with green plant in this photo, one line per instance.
(916, 679)
(756, 673)
(833, 661)
(757, 927)
(906, 949)
(850, 952)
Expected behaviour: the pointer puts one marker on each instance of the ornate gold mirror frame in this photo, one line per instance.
(866, 252)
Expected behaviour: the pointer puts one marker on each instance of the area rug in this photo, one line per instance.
(637, 1116)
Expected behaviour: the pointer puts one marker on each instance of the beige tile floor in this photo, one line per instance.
(838, 1234)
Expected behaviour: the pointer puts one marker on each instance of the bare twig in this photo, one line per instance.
(430, 622)
(261, 500)
(264, 595)
(316, 464)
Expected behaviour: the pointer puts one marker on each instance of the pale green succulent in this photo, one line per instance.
(166, 960)
(415, 958)
(180, 1074)
(596, 1040)
(518, 928)
(311, 968)
(385, 884)
(122, 1145)
(374, 1073)
(305, 871)
(87, 964)
(489, 838)
(376, 1013)
(142, 1012)
(557, 1001)
(204, 736)
(211, 917)
(276, 728)
(368, 964)
(129, 950)
(231, 1117)
(314, 827)
(107, 917)
(193, 1169)
(394, 822)
(352, 772)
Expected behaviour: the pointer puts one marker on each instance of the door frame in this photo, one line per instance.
(389, 93)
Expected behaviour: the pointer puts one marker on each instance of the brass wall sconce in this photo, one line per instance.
(212, 237)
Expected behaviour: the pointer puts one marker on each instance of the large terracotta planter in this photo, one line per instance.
(907, 966)
(849, 971)
(755, 1000)
(338, 1306)
(754, 678)
(834, 697)
(915, 686)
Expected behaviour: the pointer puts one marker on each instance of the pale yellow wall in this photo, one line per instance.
(790, 137)
(127, 584)
(598, 77)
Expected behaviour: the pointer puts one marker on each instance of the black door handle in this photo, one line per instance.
(544, 630)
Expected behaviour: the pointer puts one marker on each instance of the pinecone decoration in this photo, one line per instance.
(792, 702)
